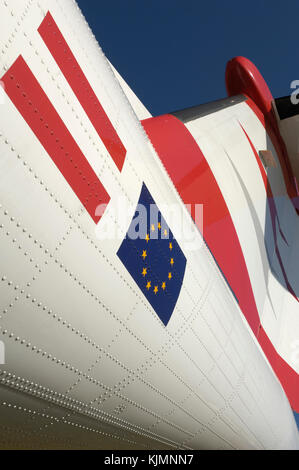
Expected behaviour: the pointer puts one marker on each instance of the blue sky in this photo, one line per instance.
(173, 52)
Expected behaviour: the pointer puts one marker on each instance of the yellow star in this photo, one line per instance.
(159, 226)
(147, 238)
(165, 233)
(169, 275)
(170, 246)
(171, 261)
(148, 285)
(163, 285)
(144, 272)
(156, 289)
(144, 255)
(153, 227)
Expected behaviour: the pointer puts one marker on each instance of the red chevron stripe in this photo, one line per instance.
(77, 80)
(33, 104)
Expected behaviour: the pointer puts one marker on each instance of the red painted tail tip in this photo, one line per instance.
(242, 77)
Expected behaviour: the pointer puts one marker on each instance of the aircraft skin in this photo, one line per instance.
(186, 338)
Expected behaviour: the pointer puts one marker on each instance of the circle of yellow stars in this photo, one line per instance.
(144, 255)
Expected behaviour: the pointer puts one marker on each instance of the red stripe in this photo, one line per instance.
(288, 378)
(31, 101)
(74, 75)
(196, 184)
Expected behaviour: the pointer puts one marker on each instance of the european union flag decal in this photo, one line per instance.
(153, 257)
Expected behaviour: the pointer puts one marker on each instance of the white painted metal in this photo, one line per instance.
(232, 161)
